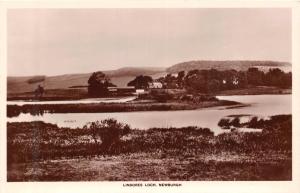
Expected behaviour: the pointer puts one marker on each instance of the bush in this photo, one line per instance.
(109, 130)
(224, 123)
(235, 122)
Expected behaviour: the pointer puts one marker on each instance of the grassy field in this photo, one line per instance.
(51, 95)
(39, 151)
(119, 77)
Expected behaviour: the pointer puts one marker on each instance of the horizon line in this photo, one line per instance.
(205, 60)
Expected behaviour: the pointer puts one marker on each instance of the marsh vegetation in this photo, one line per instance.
(195, 153)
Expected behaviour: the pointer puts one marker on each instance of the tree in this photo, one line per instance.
(255, 77)
(109, 130)
(169, 81)
(242, 78)
(141, 82)
(286, 80)
(98, 84)
(180, 78)
(39, 92)
(213, 86)
(228, 76)
(196, 81)
(276, 77)
(181, 75)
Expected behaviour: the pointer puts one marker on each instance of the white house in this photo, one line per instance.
(235, 81)
(139, 91)
(155, 85)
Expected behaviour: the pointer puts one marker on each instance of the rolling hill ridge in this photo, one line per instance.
(239, 65)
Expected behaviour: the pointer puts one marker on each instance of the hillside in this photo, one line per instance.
(120, 77)
(225, 65)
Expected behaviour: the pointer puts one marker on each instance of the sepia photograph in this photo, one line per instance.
(149, 94)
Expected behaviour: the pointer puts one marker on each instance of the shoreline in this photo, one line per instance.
(15, 110)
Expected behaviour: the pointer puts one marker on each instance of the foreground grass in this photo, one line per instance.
(157, 166)
(39, 152)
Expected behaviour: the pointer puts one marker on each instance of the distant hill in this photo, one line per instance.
(120, 77)
(224, 65)
(133, 71)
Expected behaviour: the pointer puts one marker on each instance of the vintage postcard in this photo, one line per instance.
(149, 97)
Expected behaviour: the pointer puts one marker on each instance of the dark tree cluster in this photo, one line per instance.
(210, 81)
(141, 82)
(109, 131)
(98, 84)
(173, 82)
(276, 77)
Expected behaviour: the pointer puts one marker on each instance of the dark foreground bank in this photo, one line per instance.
(109, 150)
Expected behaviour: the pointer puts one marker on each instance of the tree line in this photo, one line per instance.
(203, 81)
(213, 80)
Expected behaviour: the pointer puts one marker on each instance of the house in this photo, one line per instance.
(139, 91)
(155, 85)
(235, 81)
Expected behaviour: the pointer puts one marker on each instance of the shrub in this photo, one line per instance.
(235, 122)
(224, 123)
(109, 130)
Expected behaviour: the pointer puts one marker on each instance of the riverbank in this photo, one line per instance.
(38, 109)
(37, 151)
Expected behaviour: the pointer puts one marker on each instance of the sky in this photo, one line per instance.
(63, 41)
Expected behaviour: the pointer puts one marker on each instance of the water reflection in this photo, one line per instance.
(259, 105)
